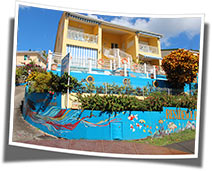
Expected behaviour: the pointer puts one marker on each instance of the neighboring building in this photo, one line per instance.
(166, 52)
(25, 57)
(104, 42)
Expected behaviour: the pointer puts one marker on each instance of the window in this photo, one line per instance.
(25, 57)
(143, 43)
(114, 45)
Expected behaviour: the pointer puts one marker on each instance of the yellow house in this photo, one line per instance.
(25, 57)
(106, 44)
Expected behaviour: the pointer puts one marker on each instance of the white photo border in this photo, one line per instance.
(189, 156)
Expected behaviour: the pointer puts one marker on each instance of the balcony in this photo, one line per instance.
(147, 48)
(84, 37)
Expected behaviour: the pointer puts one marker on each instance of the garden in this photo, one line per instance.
(22, 72)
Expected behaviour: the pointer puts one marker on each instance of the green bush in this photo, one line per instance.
(60, 84)
(20, 76)
(43, 82)
(39, 82)
(155, 102)
(22, 72)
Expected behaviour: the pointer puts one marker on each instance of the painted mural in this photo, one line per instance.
(163, 123)
(79, 124)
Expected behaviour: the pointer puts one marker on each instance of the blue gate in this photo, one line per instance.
(117, 131)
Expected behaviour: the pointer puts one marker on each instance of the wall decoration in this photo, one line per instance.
(95, 125)
(90, 79)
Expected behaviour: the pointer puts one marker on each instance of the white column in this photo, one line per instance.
(128, 63)
(114, 64)
(144, 67)
(154, 72)
(69, 69)
(105, 88)
(111, 64)
(49, 59)
(147, 75)
(89, 64)
(119, 59)
(125, 69)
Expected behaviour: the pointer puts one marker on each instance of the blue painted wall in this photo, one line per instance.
(99, 79)
(77, 124)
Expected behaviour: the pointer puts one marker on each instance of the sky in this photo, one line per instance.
(37, 28)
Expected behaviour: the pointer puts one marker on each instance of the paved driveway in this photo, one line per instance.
(23, 131)
(121, 147)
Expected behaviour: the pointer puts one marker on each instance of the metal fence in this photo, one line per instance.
(112, 88)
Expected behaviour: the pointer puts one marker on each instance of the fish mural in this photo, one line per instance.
(132, 128)
(160, 121)
(138, 125)
(172, 126)
(190, 125)
(142, 121)
(132, 117)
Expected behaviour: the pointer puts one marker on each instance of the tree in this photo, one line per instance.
(44, 53)
(181, 66)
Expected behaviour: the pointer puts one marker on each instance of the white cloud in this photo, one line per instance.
(168, 27)
(24, 7)
(93, 16)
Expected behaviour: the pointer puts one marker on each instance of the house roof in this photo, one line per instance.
(98, 21)
(177, 49)
(32, 52)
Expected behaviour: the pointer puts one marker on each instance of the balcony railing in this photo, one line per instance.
(115, 52)
(117, 56)
(84, 37)
(147, 48)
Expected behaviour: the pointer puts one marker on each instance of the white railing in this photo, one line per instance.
(142, 68)
(160, 71)
(147, 48)
(84, 37)
(53, 59)
(112, 53)
(114, 63)
(56, 58)
(124, 54)
(117, 57)
(83, 63)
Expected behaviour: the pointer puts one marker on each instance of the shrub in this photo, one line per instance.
(60, 84)
(181, 66)
(42, 82)
(39, 82)
(155, 102)
(22, 72)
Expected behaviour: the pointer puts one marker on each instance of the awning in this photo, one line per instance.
(75, 16)
(150, 34)
(152, 57)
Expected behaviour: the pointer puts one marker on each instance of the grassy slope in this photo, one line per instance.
(169, 139)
